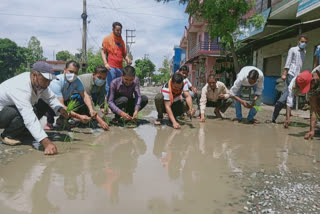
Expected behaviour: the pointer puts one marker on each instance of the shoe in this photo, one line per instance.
(10, 141)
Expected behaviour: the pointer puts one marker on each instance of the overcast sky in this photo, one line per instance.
(158, 26)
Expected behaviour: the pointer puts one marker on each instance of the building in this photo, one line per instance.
(268, 46)
(203, 55)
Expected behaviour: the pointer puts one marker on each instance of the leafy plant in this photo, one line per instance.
(257, 108)
(73, 105)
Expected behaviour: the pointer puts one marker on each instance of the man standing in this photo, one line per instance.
(21, 106)
(317, 57)
(112, 52)
(249, 76)
(121, 100)
(63, 87)
(292, 69)
(214, 94)
(169, 100)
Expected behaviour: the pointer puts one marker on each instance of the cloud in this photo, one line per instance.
(158, 26)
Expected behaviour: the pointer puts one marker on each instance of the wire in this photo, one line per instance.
(33, 16)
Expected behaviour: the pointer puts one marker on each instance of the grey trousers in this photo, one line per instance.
(222, 105)
(178, 107)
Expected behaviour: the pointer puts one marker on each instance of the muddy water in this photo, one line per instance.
(152, 169)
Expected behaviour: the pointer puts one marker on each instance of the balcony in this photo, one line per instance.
(206, 48)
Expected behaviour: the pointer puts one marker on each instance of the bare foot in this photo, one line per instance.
(236, 120)
(254, 121)
(158, 122)
(218, 114)
(48, 126)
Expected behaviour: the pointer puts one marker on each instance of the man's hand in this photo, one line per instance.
(135, 114)
(191, 112)
(129, 62)
(84, 119)
(284, 77)
(194, 90)
(49, 147)
(309, 135)
(176, 125)
(245, 104)
(125, 116)
(102, 123)
(286, 123)
(64, 113)
(222, 97)
(93, 113)
(107, 66)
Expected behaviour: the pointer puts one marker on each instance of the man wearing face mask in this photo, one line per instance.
(95, 87)
(24, 99)
(113, 52)
(125, 99)
(292, 69)
(64, 86)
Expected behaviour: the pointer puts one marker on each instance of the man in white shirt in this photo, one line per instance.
(299, 85)
(292, 69)
(214, 94)
(249, 76)
(23, 101)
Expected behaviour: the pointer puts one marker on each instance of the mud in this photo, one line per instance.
(212, 167)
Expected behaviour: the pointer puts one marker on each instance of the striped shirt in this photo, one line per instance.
(166, 93)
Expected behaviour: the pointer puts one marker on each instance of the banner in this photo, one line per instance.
(306, 6)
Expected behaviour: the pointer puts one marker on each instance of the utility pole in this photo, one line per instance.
(130, 39)
(84, 17)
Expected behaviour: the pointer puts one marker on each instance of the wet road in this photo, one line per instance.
(198, 169)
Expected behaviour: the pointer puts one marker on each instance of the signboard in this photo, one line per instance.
(246, 32)
(306, 6)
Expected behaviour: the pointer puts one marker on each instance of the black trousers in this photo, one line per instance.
(178, 107)
(12, 122)
(128, 104)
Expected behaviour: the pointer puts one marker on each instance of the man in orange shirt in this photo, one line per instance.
(112, 52)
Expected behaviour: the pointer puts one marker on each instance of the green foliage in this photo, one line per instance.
(64, 56)
(164, 75)
(94, 59)
(36, 51)
(12, 59)
(73, 105)
(144, 68)
(257, 108)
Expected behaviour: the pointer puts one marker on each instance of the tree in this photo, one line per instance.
(36, 50)
(93, 59)
(144, 68)
(12, 58)
(223, 18)
(164, 72)
(64, 56)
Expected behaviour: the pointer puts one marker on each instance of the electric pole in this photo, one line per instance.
(130, 39)
(84, 17)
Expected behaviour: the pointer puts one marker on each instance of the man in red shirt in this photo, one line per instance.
(112, 52)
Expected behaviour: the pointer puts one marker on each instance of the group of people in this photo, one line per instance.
(26, 98)
(176, 95)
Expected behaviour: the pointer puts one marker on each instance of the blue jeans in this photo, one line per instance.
(112, 74)
(237, 105)
(283, 99)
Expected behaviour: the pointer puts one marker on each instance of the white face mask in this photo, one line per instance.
(71, 77)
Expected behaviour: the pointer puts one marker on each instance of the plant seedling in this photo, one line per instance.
(73, 105)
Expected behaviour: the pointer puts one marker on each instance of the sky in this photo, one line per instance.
(58, 26)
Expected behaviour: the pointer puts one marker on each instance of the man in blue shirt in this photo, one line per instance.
(63, 87)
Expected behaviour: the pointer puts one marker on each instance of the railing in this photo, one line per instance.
(205, 47)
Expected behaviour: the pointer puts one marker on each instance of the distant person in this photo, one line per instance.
(248, 76)
(317, 57)
(113, 52)
(170, 100)
(24, 99)
(299, 85)
(214, 94)
(184, 71)
(292, 69)
(64, 87)
(95, 85)
(125, 99)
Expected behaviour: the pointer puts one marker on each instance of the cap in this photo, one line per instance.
(304, 81)
(45, 69)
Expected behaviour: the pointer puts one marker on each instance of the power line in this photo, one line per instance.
(33, 16)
